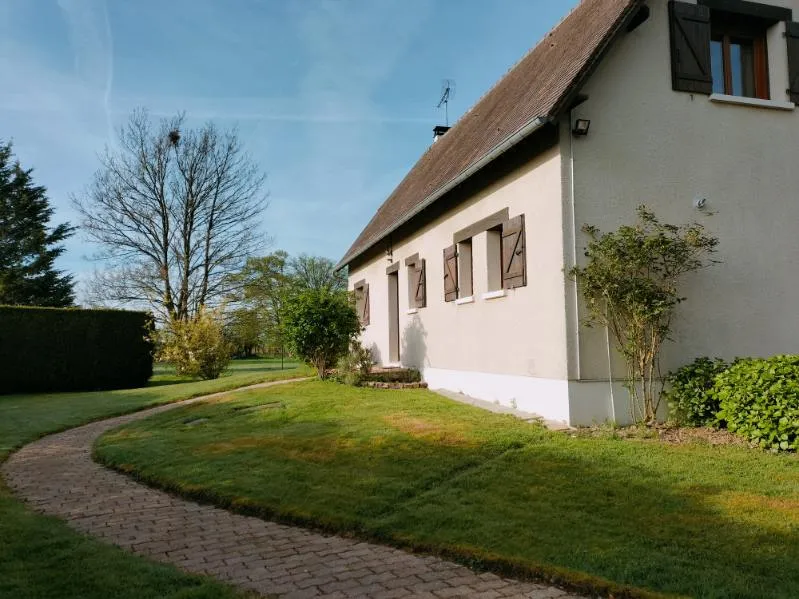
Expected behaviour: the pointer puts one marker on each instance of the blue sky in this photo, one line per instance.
(334, 99)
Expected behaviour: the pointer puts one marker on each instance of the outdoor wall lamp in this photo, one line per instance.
(581, 127)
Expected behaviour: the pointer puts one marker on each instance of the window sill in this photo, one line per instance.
(756, 102)
(464, 300)
(412, 311)
(494, 294)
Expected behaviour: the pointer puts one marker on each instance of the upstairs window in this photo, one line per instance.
(738, 57)
(723, 47)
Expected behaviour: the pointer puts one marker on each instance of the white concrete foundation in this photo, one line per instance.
(576, 403)
(598, 402)
(545, 397)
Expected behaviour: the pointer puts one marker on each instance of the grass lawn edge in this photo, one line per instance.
(471, 557)
(125, 412)
(6, 490)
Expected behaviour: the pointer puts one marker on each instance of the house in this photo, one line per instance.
(687, 107)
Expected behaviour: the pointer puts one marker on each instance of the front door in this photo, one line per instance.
(393, 318)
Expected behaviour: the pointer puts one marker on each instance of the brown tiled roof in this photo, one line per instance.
(535, 88)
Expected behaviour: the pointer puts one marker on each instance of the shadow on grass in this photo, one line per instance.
(596, 517)
(538, 510)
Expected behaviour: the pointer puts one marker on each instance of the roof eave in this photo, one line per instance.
(508, 143)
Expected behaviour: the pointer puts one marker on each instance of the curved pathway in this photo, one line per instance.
(57, 476)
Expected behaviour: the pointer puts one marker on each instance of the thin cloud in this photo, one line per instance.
(92, 42)
(352, 49)
(255, 109)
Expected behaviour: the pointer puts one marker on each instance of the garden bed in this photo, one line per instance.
(384, 385)
(393, 375)
(672, 435)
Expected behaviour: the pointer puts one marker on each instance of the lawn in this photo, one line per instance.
(40, 557)
(414, 469)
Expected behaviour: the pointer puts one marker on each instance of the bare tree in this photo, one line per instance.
(174, 212)
(316, 272)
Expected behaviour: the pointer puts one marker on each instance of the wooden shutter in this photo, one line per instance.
(690, 48)
(419, 284)
(792, 35)
(514, 255)
(451, 273)
(362, 303)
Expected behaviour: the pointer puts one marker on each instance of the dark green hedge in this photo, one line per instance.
(53, 349)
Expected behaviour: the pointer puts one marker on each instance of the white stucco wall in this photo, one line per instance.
(648, 144)
(504, 349)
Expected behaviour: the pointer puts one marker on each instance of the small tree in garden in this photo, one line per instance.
(319, 325)
(631, 285)
(196, 347)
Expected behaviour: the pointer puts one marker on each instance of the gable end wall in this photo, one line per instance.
(651, 145)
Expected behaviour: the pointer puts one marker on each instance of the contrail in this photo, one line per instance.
(90, 33)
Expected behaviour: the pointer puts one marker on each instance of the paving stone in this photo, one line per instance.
(56, 476)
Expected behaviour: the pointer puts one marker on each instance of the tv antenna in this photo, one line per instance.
(447, 93)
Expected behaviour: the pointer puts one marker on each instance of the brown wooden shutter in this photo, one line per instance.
(792, 35)
(514, 255)
(451, 273)
(419, 284)
(365, 305)
(690, 48)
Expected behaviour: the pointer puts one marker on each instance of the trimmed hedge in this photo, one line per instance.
(67, 349)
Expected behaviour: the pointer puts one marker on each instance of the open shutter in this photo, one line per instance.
(451, 273)
(792, 35)
(690, 48)
(419, 284)
(365, 305)
(514, 255)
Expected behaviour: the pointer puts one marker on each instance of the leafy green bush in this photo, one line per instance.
(759, 400)
(631, 285)
(196, 348)
(319, 325)
(69, 349)
(354, 367)
(690, 392)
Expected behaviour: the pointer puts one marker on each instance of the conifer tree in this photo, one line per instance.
(28, 248)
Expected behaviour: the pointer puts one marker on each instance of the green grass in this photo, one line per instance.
(26, 417)
(40, 557)
(417, 470)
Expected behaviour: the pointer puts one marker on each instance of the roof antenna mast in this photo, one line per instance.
(447, 93)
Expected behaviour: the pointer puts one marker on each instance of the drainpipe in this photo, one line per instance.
(573, 215)
(578, 370)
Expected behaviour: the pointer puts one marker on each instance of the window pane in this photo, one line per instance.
(465, 268)
(742, 57)
(717, 66)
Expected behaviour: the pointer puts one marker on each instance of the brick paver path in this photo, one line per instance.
(57, 476)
